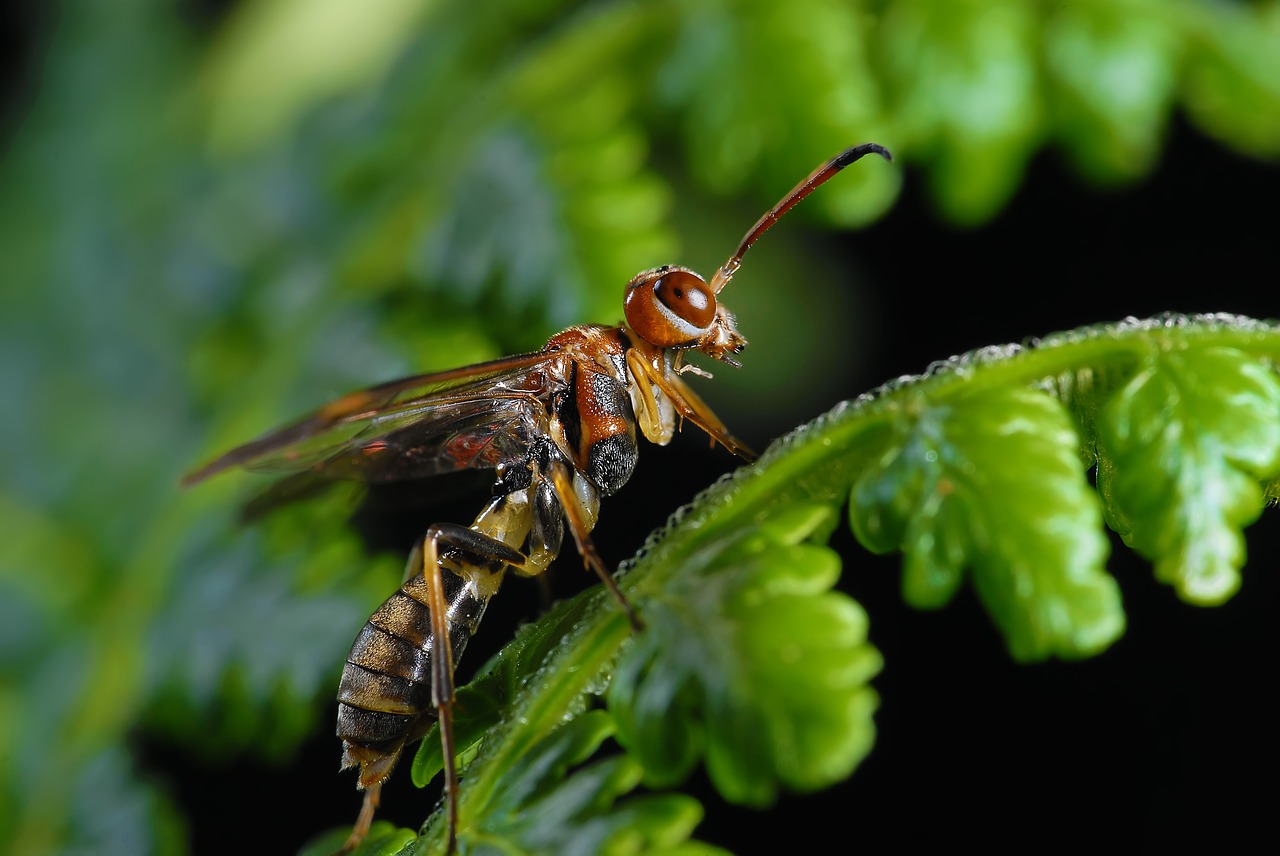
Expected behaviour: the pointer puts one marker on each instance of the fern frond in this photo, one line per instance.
(752, 665)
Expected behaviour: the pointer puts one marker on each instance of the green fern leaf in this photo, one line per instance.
(539, 807)
(1183, 447)
(993, 481)
(737, 649)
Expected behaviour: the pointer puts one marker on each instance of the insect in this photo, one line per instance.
(558, 430)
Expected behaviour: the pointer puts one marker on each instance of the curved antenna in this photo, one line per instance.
(800, 191)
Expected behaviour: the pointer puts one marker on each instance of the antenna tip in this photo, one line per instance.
(848, 156)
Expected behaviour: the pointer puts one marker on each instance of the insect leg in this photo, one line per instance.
(414, 638)
(686, 402)
(546, 535)
(372, 797)
(655, 416)
(580, 526)
(442, 675)
(442, 689)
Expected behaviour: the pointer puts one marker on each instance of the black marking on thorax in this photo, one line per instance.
(600, 428)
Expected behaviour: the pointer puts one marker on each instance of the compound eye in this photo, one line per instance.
(670, 307)
(688, 297)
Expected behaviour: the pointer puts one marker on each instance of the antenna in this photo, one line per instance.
(800, 191)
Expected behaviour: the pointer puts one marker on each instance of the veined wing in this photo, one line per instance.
(472, 417)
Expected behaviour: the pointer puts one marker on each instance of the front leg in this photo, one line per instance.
(581, 521)
(655, 387)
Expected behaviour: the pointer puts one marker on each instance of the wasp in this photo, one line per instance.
(558, 429)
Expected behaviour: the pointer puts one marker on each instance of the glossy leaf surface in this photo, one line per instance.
(993, 482)
(1184, 445)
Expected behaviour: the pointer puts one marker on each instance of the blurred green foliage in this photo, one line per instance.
(207, 233)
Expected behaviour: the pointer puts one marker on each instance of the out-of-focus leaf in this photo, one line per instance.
(1114, 69)
(239, 655)
(1233, 74)
(961, 81)
(749, 110)
(536, 190)
(277, 58)
(116, 811)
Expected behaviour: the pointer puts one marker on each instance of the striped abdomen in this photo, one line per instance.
(384, 699)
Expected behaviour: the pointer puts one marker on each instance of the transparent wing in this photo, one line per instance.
(473, 417)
